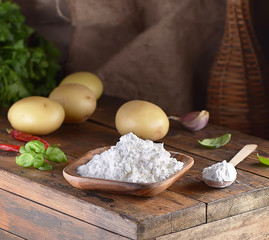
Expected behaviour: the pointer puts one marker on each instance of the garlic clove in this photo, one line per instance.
(194, 121)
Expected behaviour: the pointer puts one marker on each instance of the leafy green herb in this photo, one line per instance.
(28, 63)
(55, 154)
(45, 166)
(36, 146)
(263, 160)
(25, 160)
(216, 142)
(38, 160)
(34, 154)
(22, 149)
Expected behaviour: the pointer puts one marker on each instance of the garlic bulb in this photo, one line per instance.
(194, 121)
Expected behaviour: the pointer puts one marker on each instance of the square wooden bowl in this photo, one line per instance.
(120, 187)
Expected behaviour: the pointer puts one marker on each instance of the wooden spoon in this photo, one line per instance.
(240, 156)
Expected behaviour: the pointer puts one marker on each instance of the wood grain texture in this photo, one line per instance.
(4, 235)
(186, 204)
(251, 225)
(34, 221)
(74, 139)
(182, 139)
(247, 193)
(106, 110)
(127, 216)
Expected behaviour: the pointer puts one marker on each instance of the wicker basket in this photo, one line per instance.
(235, 95)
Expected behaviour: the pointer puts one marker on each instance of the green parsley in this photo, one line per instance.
(28, 64)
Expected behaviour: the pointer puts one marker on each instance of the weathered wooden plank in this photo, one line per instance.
(106, 109)
(4, 235)
(209, 198)
(247, 193)
(86, 136)
(136, 217)
(91, 135)
(128, 216)
(75, 139)
(250, 225)
(250, 192)
(182, 139)
(187, 141)
(34, 221)
(36, 186)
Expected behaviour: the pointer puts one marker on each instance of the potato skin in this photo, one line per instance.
(144, 119)
(86, 79)
(36, 115)
(77, 100)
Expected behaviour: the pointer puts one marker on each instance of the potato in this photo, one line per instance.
(36, 115)
(87, 79)
(77, 100)
(144, 119)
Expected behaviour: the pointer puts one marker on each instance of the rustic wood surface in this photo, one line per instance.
(254, 226)
(127, 216)
(186, 204)
(4, 235)
(34, 221)
(181, 139)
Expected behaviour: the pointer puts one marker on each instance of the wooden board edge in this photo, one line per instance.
(242, 203)
(77, 208)
(5, 235)
(249, 225)
(31, 220)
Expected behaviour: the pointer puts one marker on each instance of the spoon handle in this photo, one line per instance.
(243, 153)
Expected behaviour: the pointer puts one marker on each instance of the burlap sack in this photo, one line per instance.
(156, 50)
(147, 49)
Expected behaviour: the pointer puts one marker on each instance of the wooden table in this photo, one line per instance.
(42, 205)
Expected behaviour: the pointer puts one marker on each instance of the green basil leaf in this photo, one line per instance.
(38, 160)
(263, 160)
(45, 166)
(54, 154)
(25, 160)
(32, 153)
(216, 142)
(36, 146)
(22, 149)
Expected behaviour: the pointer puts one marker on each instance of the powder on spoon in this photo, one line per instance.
(222, 171)
(132, 160)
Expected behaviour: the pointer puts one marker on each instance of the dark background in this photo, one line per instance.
(110, 40)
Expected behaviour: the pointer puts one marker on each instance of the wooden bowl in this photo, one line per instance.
(120, 187)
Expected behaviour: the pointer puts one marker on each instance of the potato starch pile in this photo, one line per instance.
(222, 171)
(132, 160)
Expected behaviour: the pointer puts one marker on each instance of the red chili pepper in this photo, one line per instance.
(25, 137)
(10, 147)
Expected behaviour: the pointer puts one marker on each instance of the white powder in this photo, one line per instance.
(222, 171)
(132, 160)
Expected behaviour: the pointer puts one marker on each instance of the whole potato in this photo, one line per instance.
(36, 115)
(77, 100)
(144, 119)
(87, 79)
